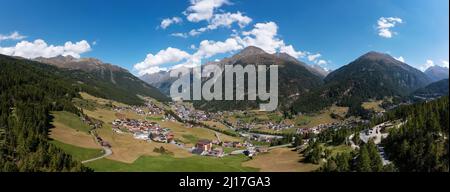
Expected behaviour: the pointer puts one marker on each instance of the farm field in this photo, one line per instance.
(280, 160)
(373, 105)
(78, 153)
(167, 163)
(69, 129)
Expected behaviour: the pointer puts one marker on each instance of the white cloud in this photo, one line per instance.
(444, 63)
(210, 48)
(195, 32)
(322, 62)
(385, 24)
(39, 48)
(169, 21)
(428, 64)
(227, 19)
(291, 51)
(314, 57)
(264, 36)
(182, 35)
(169, 55)
(13, 36)
(400, 59)
(223, 20)
(203, 9)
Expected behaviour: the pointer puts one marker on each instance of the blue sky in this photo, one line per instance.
(129, 32)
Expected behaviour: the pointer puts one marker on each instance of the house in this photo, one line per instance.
(204, 145)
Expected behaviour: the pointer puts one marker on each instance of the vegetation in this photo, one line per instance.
(421, 145)
(25, 102)
(78, 153)
(165, 163)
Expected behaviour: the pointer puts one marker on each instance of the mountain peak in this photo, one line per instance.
(373, 55)
(251, 50)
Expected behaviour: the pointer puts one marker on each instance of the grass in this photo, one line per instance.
(339, 149)
(154, 118)
(373, 105)
(70, 120)
(165, 163)
(78, 153)
(190, 138)
(281, 160)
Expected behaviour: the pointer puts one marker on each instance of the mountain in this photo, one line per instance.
(294, 79)
(371, 76)
(104, 80)
(316, 69)
(438, 88)
(436, 73)
(160, 80)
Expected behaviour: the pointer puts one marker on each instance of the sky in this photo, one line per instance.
(148, 36)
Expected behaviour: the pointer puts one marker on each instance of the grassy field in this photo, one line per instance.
(70, 120)
(373, 105)
(69, 129)
(339, 149)
(100, 101)
(307, 121)
(280, 160)
(78, 153)
(166, 163)
(127, 149)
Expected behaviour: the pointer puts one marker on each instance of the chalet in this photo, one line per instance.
(204, 145)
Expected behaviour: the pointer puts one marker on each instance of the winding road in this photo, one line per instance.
(107, 151)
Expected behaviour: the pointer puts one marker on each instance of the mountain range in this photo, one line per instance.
(372, 76)
(307, 88)
(103, 79)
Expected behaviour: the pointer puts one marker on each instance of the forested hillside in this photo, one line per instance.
(29, 91)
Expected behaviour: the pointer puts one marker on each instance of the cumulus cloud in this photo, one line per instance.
(429, 63)
(182, 35)
(444, 63)
(208, 48)
(39, 48)
(400, 59)
(169, 55)
(13, 36)
(223, 20)
(203, 9)
(385, 24)
(322, 62)
(314, 57)
(291, 51)
(169, 21)
(263, 35)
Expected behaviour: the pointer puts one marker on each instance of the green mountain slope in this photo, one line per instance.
(29, 91)
(104, 80)
(372, 76)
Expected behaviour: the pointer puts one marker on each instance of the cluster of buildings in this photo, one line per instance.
(260, 137)
(188, 114)
(144, 130)
(205, 148)
(278, 126)
(148, 109)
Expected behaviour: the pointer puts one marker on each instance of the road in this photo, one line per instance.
(237, 152)
(107, 151)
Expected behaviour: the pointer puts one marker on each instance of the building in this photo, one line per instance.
(204, 145)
